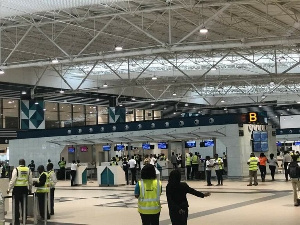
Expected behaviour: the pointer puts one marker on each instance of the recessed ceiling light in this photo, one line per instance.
(174, 94)
(174, 112)
(260, 106)
(61, 91)
(152, 104)
(121, 105)
(36, 103)
(186, 104)
(118, 48)
(105, 85)
(154, 78)
(203, 30)
(133, 98)
(225, 109)
(23, 93)
(1, 72)
(222, 101)
(55, 61)
(98, 99)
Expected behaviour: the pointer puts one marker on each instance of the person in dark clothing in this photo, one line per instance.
(32, 166)
(42, 190)
(176, 197)
(126, 168)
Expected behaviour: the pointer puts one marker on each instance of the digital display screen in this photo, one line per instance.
(297, 143)
(83, 148)
(71, 149)
(257, 146)
(190, 144)
(264, 136)
(264, 146)
(278, 143)
(162, 145)
(209, 143)
(106, 147)
(146, 146)
(256, 136)
(120, 147)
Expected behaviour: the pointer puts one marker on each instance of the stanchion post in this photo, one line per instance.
(24, 209)
(34, 209)
(45, 208)
(13, 210)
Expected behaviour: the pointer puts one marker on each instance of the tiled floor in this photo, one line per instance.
(234, 203)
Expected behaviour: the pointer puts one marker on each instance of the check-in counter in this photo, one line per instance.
(110, 175)
(81, 175)
(164, 167)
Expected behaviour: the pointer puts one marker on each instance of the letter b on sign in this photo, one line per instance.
(252, 117)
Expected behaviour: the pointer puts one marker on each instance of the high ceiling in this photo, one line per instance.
(250, 54)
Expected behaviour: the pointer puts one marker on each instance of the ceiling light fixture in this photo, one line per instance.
(133, 98)
(98, 99)
(225, 109)
(174, 94)
(118, 48)
(260, 106)
(36, 103)
(105, 85)
(55, 61)
(263, 97)
(186, 104)
(120, 105)
(203, 30)
(61, 91)
(214, 68)
(1, 71)
(23, 92)
(222, 101)
(154, 78)
(152, 104)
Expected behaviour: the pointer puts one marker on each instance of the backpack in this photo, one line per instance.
(294, 170)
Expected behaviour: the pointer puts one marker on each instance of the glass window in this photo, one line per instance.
(157, 115)
(139, 115)
(129, 115)
(78, 115)
(102, 115)
(51, 115)
(91, 115)
(65, 115)
(149, 114)
(10, 113)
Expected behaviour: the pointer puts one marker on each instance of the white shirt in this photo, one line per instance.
(74, 166)
(287, 158)
(14, 177)
(132, 163)
(272, 162)
(209, 164)
(53, 179)
(153, 161)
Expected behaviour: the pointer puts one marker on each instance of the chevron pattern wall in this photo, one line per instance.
(32, 114)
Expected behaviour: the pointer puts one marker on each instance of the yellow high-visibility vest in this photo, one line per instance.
(188, 161)
(149, 199)
(195, 159)
(22, 178)
(220, 164)
(46, 187)
(253, 164)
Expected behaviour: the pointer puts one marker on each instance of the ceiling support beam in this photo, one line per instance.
(143, 31)
(292, 67)
(39, 79)
(62, 77)
(18, 44)
(197, 29)
(87, 75)
(144, 69)
(213, 66)
(112, 70)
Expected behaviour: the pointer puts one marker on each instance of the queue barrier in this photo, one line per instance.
(24, 209)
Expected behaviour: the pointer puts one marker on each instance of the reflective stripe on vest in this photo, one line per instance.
(62, 164)
(51, 183)
(149, 199)
(253, 164)
(195, 159)
(23, 174)
(45, 188)
(220, 164)
(188, 161)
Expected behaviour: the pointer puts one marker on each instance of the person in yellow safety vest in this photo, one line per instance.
(43, 188)
(253, 163)
(117, 158)
(219, 167)
(62, 168)
(21, 184)
(113, 161)
(52, 182)
(195, 165)
(188, 164)
(148, 191)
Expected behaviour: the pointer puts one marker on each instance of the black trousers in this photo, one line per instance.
(178, 219)
(194, 170)
(219, 174)
(41, 200)
(73, 175)
(175, 165)
(61, 173)
(52, 190)
(133, 175)
(150, 219)
(208, 177)
(263, 171)
(188, 171)
(286, 173)
(272, 168)
(19, 200)
(126, 176)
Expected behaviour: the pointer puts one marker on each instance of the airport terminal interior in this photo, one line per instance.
(91, 82)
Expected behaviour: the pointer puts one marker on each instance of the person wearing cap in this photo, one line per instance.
(21, 184)
(253, 163)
